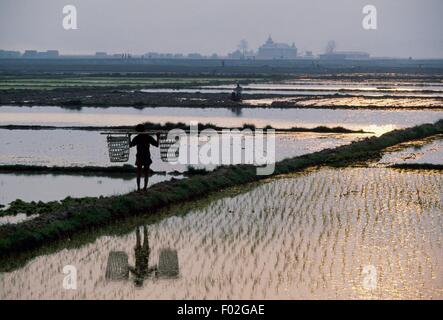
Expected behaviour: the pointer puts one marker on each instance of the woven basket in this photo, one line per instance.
(118, 147)
(168, 151)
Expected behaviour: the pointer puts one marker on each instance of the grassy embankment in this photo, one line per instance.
(149, 126)
(66, 220)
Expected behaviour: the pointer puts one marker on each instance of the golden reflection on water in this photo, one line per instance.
(363, 102)
(97, 119)
(375, 102)
(378, 121)
(305, 236)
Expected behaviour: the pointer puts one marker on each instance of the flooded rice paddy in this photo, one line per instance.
(429, 151)
(325, 87)
(329, 93)
(311, 235)
(355, 102)
(377, 121)
(352, 85)
(78, 148)
(28, 187)
(89, 148)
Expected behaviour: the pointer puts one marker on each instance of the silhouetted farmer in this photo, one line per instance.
(236, 93)
(143, 157)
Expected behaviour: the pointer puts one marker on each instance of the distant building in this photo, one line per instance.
(195, 56)
(241, 55)
(157, 55)
(30, 54)
(9, 54)
(34, 54)
(345, 55)
(237, 54)
(50, 54)
(151, 55)
(273, 50)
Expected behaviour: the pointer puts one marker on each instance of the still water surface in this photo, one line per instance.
(49, 187)
(378, 121)
(89, 148)
(308, 236)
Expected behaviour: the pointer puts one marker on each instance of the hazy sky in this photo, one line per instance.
(405, 28)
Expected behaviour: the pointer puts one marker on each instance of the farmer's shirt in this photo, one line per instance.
(143, 141)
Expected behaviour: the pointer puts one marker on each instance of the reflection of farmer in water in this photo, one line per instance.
(118, 268)
(143, 158)
(141, 270)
